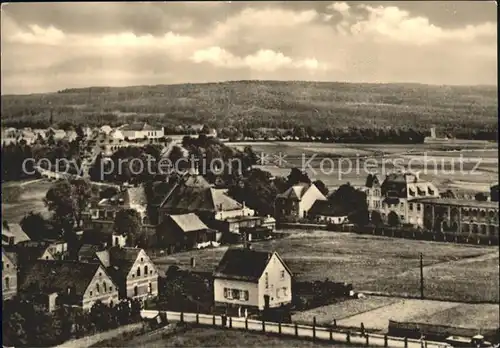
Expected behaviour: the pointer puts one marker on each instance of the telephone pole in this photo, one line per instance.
(421, 276)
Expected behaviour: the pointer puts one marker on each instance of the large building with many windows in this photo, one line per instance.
(460, 217)
(396, 198)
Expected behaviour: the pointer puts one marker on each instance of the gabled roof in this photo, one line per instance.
(12, 256)
(87, 252)
(244, 264)
(15, 230)
(295, 192)
(326, 208)
(138, 126)
(57, 276)
(129, 196)
(119, 261)
(188, 222)
(193, 199)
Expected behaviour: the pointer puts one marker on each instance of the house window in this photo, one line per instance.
(245, 295)
(267, 280)
(110, 288)
(228, 294)
(104, 287)
(146, 270)
(90, 293)
(284, 291)
(142, 259)
(138, 271)
(136, 291)
(150, 288)
(7, 283)
(97, 288)
(411, 207)
(236, 294)
(278, 292)
(419, 207)
(282, 274)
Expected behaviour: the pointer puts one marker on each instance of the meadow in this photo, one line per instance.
(471, 167)
(454, 272)
(19, 199)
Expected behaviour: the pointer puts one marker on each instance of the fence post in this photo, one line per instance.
(197, 318)
(263, 326)
(230, 322)
(331, 334)
(367, 341)
(314, 328)
(348, 337)
(246, 323)
(279, 327)
(182, 317)
(213, 320)
(296, 330)
(385, 341)
(406, 342)
(362, 329)
(335, 323)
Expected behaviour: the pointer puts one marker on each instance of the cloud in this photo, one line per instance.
(262, 60)
(394, 24)
(340, 7)
(186, 42)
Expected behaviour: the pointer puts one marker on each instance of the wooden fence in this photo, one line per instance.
(295, 330)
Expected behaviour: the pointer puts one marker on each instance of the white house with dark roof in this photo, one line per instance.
(141, 130)
(13, 234)
(132, 271)
(297, 200)
(252, 280)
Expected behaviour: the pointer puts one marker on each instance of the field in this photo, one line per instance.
(208, 337)
(455, 272)
(471, 167)
(267, 104)
(19, 199)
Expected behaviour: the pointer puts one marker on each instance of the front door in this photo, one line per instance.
(266, 301)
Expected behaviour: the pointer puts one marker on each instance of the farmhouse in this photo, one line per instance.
(183, 232)
(131, 270)
(297, 200)
(127, 198)
(327, 212)
(141, 130)
(252, 280)
(9, 275)
(68, 283)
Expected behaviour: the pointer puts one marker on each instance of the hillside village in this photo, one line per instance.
(102, 252)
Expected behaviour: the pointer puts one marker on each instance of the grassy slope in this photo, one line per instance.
(376, 264)
(272, 103)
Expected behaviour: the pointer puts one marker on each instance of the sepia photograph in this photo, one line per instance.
(250, 174)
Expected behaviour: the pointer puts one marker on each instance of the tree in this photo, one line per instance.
(128, 223)
(297, 176)
(376, 218)
(321, 187)
(481, 196)
(351, 201)
(59, 200)
(393, 219)
(37, 227)
(81, 194)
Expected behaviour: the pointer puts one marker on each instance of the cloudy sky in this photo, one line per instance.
(51, 46)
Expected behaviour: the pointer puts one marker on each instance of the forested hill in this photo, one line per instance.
(277, 104)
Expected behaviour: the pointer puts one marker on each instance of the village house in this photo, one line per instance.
(131, 269)
(68, 283)
(141, 130)
(327, 212)
(252, 280)
(127, 198)
(392, 199)
(9, 275)
(184, 232)
(105, 129)
(297, 200)
(105, 145)
(13, 234)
